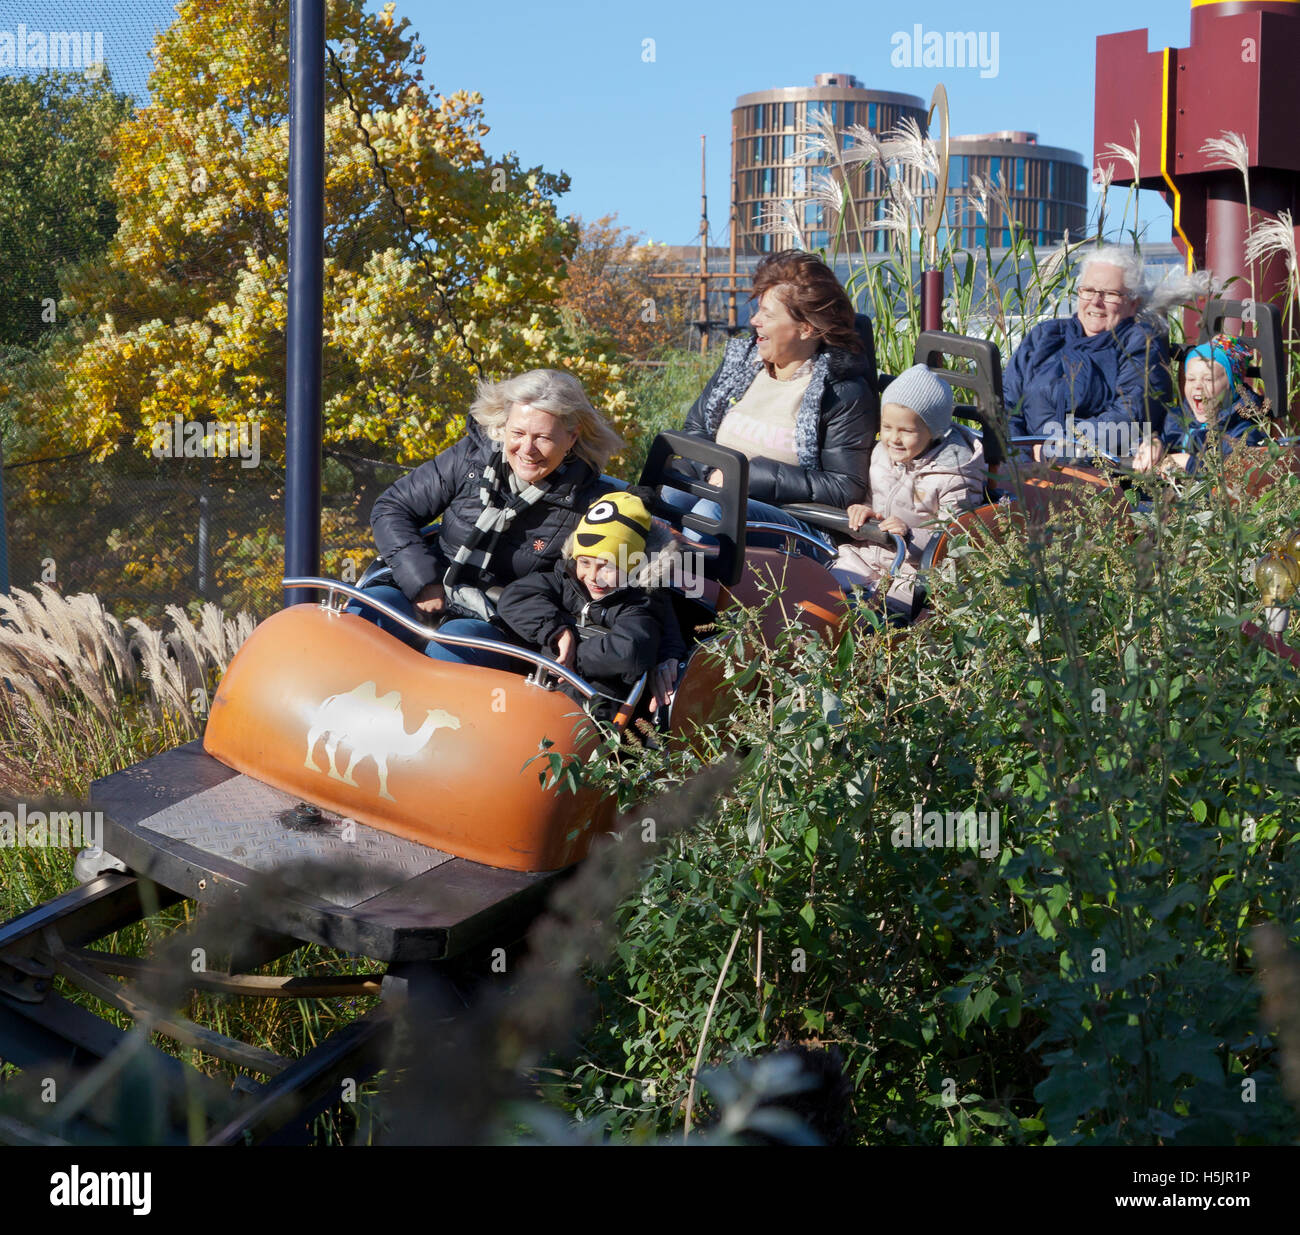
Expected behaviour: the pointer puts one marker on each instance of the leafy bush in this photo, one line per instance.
(1086, 973)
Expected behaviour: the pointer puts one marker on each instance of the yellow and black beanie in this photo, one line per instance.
(617, 522)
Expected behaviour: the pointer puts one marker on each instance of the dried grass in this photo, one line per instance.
(73, 681)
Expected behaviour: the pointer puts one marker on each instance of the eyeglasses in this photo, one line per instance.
(1097, 293)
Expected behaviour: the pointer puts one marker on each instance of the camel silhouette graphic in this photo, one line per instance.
(374, 727)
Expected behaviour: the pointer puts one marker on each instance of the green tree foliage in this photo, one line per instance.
(186, 314)
(56, 204)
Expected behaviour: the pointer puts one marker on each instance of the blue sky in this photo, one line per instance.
(564, 83)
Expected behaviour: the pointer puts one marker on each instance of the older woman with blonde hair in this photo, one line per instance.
(509, 494)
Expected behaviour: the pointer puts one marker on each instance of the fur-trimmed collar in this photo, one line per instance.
(741, 364)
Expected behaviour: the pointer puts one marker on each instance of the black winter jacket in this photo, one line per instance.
(835, 429)
(448, 485)
(619, 637)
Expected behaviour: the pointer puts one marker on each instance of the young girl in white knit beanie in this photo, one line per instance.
(924, 470)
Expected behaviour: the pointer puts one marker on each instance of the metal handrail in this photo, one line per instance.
(900, 555)
(785, 529)
(1045, 437)
(536, 659)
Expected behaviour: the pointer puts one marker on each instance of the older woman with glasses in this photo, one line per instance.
(1097, 381)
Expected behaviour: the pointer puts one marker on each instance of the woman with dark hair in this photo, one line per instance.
(796, 397)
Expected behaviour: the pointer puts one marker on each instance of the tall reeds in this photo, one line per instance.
(81, 694)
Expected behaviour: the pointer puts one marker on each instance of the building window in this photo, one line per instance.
(1020, 175)
(995, 168)
(871, 117)
(1051, 180)
(788, 119)
(787, 147)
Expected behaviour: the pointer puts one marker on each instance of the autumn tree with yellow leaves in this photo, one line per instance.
(186, 313)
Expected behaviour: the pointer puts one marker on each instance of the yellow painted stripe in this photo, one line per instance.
(1164, 160)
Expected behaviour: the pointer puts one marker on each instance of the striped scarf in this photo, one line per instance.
(501, 505)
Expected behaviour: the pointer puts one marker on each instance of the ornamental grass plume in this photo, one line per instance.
(1273, 238)
(829, 193)
(1133, 157)
(781, 219)
(1230, 150)
(866, 147)
(80, 687)
(905, 146)
(820, 139)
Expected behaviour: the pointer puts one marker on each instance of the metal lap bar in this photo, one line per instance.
(794, 533)
(900, 555)
(536, 659)
(628, 706)
(1039, 438)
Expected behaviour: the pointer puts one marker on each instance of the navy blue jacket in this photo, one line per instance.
(1121, 377)
(1184, 434)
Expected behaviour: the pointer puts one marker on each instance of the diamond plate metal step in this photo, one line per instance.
(245, 821)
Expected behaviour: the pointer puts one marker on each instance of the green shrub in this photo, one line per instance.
(1087, 975)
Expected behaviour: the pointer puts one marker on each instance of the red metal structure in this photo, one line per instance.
(1238, 75)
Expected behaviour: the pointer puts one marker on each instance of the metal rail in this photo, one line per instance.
(1043, 437)
(536, 659)
(900, 554)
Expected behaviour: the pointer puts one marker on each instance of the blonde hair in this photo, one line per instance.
(562, 396)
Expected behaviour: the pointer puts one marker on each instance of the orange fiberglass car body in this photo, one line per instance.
(326, 706)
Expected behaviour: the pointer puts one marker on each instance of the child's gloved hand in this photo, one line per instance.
(664, 682)
(566, 643)
(858, 515)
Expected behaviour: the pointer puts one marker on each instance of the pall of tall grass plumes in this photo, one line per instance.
(996, 297)
(1230, 150)
(1276, 238)
(81, 694)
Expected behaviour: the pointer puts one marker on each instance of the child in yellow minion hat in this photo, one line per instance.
(596, 612)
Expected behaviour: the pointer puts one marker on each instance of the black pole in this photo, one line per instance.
(306, 291)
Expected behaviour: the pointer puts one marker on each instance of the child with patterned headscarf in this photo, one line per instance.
(1216, 397)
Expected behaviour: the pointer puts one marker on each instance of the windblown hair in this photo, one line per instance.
(1155, 299)
(812, 295)
(560, 394)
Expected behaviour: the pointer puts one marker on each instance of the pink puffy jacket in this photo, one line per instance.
(924, 492)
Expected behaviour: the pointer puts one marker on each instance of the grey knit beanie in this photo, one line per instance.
(930, 397)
